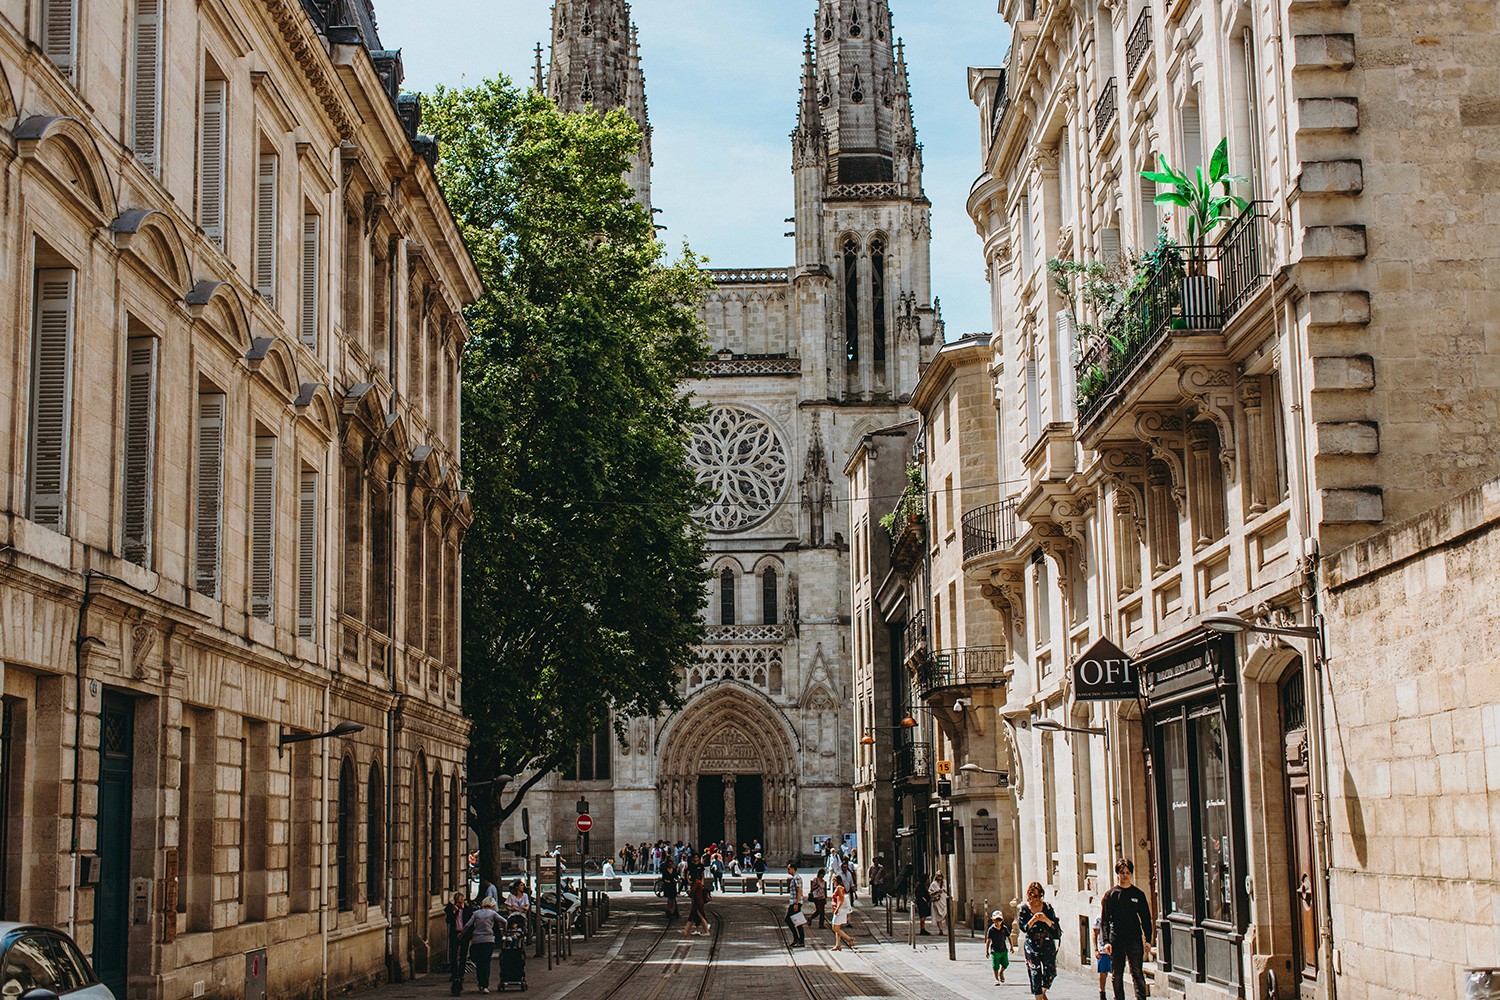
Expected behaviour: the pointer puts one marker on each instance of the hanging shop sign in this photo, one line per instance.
(1105, 673)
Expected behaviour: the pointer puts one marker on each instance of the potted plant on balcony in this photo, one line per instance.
(1210, 202)
(910, 508)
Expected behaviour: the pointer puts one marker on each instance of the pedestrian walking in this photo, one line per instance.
(997, 945)
(937, 894)
(877, 882)
(1038, 921)
(818, 893)
(841, 915)
(1102, 962)
(1125, 928)
(483, 929)
(716, 871)
(796, 920)
(456, 918)
(698, 914)
(669, 887)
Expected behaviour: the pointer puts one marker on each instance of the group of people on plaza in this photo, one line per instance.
(476, 926)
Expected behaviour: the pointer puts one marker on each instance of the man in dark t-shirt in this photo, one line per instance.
(669, 886)
(1125, 929)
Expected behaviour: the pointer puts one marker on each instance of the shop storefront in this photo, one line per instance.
(1193, 731)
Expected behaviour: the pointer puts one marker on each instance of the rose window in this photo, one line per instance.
(741, 458)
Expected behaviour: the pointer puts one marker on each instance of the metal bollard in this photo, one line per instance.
(1483, 984)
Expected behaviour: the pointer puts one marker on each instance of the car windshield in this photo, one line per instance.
(40, 959)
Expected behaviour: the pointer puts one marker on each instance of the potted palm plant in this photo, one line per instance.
(1210, 202)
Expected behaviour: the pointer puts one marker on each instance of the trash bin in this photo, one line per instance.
(1484, 984)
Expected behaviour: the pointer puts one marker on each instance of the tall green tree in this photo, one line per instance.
(583, 571)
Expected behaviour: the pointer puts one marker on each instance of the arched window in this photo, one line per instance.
(851, 300)
(769, 599)
(877, 295)
(726, 597)
(348, 802)
(375, 837)
(435, 837)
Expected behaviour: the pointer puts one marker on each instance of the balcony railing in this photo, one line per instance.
(972, 666)
(1244, 258)
(1195, 302)
(914, 638)
(1104, 111)
(989, 528)
(1139, 43)
(913, 762)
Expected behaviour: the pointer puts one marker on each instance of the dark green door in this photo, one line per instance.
(749, 808)
(112, 896)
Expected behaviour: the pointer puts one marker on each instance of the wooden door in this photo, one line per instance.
(1302, 882)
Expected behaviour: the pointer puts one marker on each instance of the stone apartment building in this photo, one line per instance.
(929, 647)
(1190, 437)
(232, 507)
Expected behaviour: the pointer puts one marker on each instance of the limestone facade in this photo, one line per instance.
(232, 298)
(1191, 446)
(944, 660)
(1415, 807)
(805, 360)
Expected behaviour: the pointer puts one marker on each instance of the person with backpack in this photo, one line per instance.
(1125, 928)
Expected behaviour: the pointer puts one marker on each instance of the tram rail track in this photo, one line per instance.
(716, 921)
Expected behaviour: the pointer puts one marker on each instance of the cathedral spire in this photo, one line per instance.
(809, 141)
(863, 91)
(596, 63)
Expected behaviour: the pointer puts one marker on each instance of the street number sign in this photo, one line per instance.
(945, 767)
(585, 823)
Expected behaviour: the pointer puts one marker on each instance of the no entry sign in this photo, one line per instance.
(585, 823)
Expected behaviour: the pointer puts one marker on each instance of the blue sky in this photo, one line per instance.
(722, 79)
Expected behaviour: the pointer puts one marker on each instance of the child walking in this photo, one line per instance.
(997, 945)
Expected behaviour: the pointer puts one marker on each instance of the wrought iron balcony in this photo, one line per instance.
(906, 544)
(1244, 258)
(1104, 110)
(971, 666)
(914, 638)
(913, 762)
(990, 528)
(1138, 43)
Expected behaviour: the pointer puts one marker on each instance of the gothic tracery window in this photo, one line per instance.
(740, 456)
(726, 598)
(851, 300)
(877, 295)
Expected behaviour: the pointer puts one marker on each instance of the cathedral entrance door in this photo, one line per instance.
(710, 810)
(749, 809)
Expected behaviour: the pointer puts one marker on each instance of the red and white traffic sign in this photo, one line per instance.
(585, 823)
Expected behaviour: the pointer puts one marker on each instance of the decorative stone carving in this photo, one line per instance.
(1007, 592)
(1126, 470)
(742, 458)
(1162, 431)
(1210, 393)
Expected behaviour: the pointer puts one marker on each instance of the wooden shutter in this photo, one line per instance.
(145, 117)
(263, 528)
(1109, 247)
(311, 267)
(307, 555)
(211, 166)
(208, 527)
(1192, 141)
(51, 396)
(140, 450)
(1033, 399)
(60, 34)
(265, 227)
(1067, 361)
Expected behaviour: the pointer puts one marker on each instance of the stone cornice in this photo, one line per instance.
(291, 20)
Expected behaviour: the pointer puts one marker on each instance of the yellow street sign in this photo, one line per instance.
(945, 767)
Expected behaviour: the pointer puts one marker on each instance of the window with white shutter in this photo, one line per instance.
(1109, 247)
(51, 397)
(60, 34)
(1067, 362)
(263, 528)
(140, 450)
(145, 92)
(1192, 137)
(307, 554)
(265, 226)
(1033, 395)
(209, 494)
(211, 141)
(312, 257)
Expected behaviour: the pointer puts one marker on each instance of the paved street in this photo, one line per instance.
(635, 958)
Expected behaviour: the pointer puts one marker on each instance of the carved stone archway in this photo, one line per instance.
(731, 732)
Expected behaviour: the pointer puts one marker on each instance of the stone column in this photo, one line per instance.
(731, 818)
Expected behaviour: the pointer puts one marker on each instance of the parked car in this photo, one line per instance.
(40, 963)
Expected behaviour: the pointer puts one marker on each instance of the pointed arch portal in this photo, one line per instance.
(729, 773)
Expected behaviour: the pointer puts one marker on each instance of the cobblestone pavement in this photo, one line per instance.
(636, 956)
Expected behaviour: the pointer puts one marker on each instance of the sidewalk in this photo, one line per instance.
(970, 975)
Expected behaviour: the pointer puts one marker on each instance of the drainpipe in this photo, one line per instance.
(323, 886)
(78, 643)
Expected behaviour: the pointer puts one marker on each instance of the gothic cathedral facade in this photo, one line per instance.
(805, 360)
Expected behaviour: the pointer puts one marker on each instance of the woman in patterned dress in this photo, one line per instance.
(1038, 921)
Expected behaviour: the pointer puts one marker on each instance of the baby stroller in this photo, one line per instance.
(513, 953)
